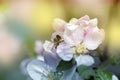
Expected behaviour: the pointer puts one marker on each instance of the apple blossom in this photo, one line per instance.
(81, 35)
(70, 40)
(80, 31)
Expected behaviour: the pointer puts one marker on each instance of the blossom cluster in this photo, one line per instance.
(71, 40)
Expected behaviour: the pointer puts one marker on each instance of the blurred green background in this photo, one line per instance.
(25, 21)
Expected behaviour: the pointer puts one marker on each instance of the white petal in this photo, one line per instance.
(94, 38)
(83, 21)
(51, 59)
(23, 66)
(114, 77)
(78, 36)
(38, 70)
(86, 60)
(65, 52)
(48, 46)
(71, 27)
(39, 47)
(68, 34)
(58, 25)
(93, 22)
(40, 58)
(68, 40)
(73, 21)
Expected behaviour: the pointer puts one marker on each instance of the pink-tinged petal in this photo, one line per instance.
(93, 22)
(73, 35)
(59, 25)
(86, 17)
(84, 21)
(38, 47)
(78, 35)
(86, 60)
(94, 38)
(68, 34)
(68, 40)
(65, 52)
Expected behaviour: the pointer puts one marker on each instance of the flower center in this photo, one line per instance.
(80, 49)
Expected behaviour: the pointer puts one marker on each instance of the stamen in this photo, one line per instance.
(80, 49)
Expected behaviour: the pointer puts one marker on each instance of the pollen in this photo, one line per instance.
(80, 49)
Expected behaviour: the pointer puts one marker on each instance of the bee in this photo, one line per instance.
(57, 40)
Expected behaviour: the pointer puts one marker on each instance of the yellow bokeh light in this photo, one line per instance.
(114, 34)
(43, 17)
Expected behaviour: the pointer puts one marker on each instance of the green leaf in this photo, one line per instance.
(103, 75)
(85, 71)
(65, 65)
